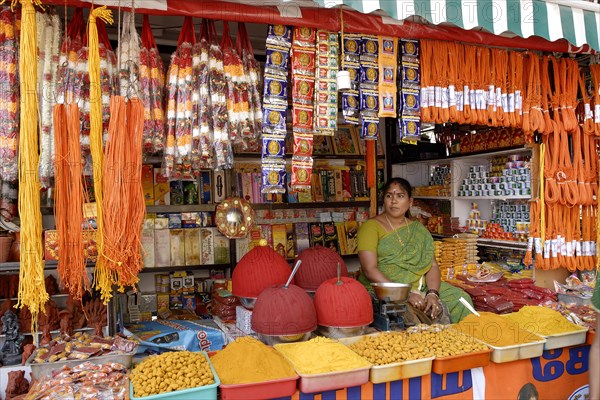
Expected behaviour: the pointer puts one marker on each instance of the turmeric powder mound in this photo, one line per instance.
(542, 320)
(247, 360)
(321, 355)
(495, 330)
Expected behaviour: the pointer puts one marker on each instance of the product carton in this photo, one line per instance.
(162, 248)
(279, 239)
(177, 247)
(221, 248)
(147, 240)
(243, 320)
(207, 246)
(162, 188)
(148, 184)
(192, 246)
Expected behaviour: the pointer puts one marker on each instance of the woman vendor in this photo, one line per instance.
(394, 248)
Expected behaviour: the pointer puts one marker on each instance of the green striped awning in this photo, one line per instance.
(577, 21)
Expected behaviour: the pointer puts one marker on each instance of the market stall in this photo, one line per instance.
(180, 184)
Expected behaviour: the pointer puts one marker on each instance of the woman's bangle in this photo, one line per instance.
(434, 292)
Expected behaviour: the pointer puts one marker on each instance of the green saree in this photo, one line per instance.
(405, 256)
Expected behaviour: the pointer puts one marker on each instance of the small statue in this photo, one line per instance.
(28, 350)
(17, 384)
(11, 349)
(48, 321)
(51, 285)
(66, 322)
(77, 316)
(95, 312)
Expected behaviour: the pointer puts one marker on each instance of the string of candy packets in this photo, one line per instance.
(373, 64)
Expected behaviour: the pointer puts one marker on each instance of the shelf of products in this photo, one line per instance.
(12, 266)
(487, 153)
(179, 208)
(335, 204)
(184, 268)
(55, 332)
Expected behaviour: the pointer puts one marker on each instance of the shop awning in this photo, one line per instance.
(577, 21)
(552, 25)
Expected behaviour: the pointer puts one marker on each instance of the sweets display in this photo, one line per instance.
(81, 347)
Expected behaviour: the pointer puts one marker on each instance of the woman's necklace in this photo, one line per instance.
(395, 231)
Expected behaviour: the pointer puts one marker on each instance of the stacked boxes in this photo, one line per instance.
(505, 176)
(511, 221)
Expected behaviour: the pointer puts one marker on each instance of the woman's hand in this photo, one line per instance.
(417, 301)
(433, 306)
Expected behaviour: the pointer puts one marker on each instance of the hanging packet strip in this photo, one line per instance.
(369, 75)
(350, 107)
(303, 89)
(410, 102)
(279, 35)
(273, 149)
(410, 129)
(277, 58)
(369, 87)
(409, 112)
(274, 116)
(369, 102)
(369, 49)
(326, 97)
(388, 61)
(352, 47)
(410, 50)
(275, 89)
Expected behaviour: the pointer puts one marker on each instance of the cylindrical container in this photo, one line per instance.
(343, 80)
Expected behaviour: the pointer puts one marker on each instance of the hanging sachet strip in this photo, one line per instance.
(351, 50)
(388, 65)
(369, 87)
(252, 71)
(409, 113)
(275, 104)
(303, 94)
(326, 97)
(50, 27)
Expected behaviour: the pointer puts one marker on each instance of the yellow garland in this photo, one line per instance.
(103, 278)
(32, 288)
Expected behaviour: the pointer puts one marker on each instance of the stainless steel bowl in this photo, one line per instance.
(392, 292)
(270, 340)
(336, 332)
(248, 302)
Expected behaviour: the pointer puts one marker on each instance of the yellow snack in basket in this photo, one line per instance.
(495, 330)
(321, 355)
(248, 360)
(542, 320)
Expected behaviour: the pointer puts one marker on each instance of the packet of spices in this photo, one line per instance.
(387, 103)
(275, 89)
(350, 104)
(303, 89)
(279, 35)
(410, 102)
(369, 48)
(274, 119)
(409, 129)
(369, 75)
(352, 48)
(369, 102)
(369, 128)
(304, 37)
(303, 61)
(302, 118)
(301, 176)
(410, 74)
(303, 146)
(277, 57)
(273, 178)
(273, 148)
(410, 49)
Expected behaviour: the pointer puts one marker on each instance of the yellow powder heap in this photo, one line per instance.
(542, 320)
(495, 330)
(321, 355)
(247, 361)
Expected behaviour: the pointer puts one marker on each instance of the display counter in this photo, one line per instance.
(557, 374)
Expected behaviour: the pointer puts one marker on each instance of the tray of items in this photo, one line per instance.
(74, 350)
(249, 369)
(394, 355)
(178, 375)
(86, 381)
(550, 324)
(325, 364)
(508, 341)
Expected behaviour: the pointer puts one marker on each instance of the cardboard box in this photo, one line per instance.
(280, 239)
(302, 236)
(189, 301)
(161, 221)
(243, 320)
(175, 221)
(51, 250)
(162, 248)
(176, 301)
(290, 247)
(176, 192)
(162, 188)
(148, 184)
(352, 237)
(162, 302)
(177, 240)
(190, 192)
(205, 187)
(207, 246)
(147, 239)
(192, 246)
(221, 243)
(218, 186)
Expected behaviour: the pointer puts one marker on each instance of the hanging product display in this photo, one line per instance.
(411, 93)
(369, 88)
(128, 57)
(9, 129)
(152, 91)
(67, 62)
(203, 121)
(32, 288)
(303, 96)
(388, 66)
(252, 70)
(275, 102)
(351, 49)
(326, 97)
(49, 27)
